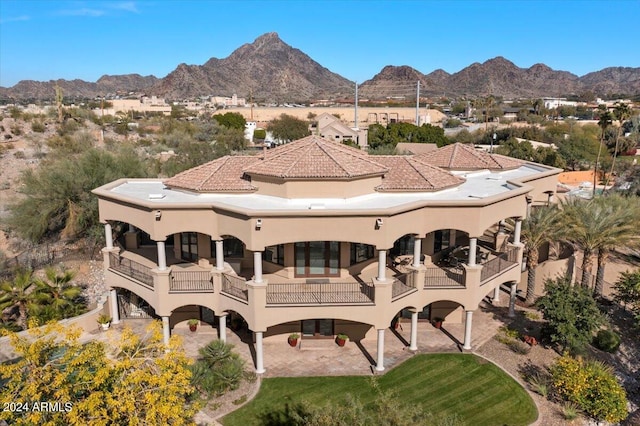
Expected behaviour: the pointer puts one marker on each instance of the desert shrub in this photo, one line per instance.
(218, 369)
(38, 127)
(16, 130)
(607, 341)
(507, 335)
(539, 384)
(20, 155)
(592, 386)
(570, 411)
(532, 315)
(519, 347)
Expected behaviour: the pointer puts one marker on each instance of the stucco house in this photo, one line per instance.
(320, 238)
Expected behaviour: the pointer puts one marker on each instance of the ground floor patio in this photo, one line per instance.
(322, 357)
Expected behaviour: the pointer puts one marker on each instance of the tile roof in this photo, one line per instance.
(409, 173)
(221, 175)
(460, 156)
(313, 157)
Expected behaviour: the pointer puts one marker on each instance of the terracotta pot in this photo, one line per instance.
(437, 324)
(341, 342)
(293, 342)
(193, 327)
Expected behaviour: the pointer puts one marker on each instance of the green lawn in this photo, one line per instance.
(478, 391)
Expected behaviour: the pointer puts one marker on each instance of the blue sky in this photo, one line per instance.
(44, 40)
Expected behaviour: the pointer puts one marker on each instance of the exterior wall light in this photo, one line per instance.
(379, 223)
(258, 224)
(158, 214)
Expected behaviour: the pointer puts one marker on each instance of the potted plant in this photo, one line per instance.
(193, 324)
(437, 322)
(293, 339)
(104, 320)
(341, 339)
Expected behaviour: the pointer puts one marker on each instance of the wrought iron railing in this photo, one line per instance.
(320, 293)
(403, 284)
(499, 264)
(235, 286)
(435, 277)
(190, 282)
(131, 268)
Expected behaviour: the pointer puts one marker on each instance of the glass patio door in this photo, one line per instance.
(317, 328)
(317, 258)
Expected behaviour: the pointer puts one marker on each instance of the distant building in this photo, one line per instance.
(144, 104)
(226, 101)
(332, 128)
(553, 103)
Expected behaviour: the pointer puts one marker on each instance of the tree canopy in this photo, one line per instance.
(136, 383)
(288, 128)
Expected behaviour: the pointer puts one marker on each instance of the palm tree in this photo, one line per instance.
(21, 293)
(624, 214)
(604, 122)
(542, 226)
(622, 113)
(58, 298)
(598, 225)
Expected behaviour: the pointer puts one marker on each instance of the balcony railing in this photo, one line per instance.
(131, 268)
(499, 264)
(190, 282)
(435, 277)
(319, 293)
(235, 286)
(403, 284)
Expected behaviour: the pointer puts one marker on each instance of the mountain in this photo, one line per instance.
(269, 70)
(107, 84)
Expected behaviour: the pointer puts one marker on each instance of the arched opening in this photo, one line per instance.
(132, 306)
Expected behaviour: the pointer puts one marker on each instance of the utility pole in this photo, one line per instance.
(418, 105)
(355, 113)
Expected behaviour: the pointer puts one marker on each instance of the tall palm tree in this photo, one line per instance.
(604, 122)
(542, 226)
(624, 214)
(21, 293)
(622, 113)
(598, 225)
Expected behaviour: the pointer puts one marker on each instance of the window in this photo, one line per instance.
(274, 254)
(317, 258)
(189, 245)
(231, 247)
(403, 246)
(361, 252)
(441, 240)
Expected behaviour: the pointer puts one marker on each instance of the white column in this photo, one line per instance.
(417, 250)
(413, 346)
(257, 267)
(166, 333)
(162, 256)
(222, 327)
(516, 231)
(467, 330)
(219, 255)
(496, 294)
(512, 300)
(501, 227)
(259, 359)
(382, 265)
(115, 315)
(380, 362)
(472, 251)
(108, 235)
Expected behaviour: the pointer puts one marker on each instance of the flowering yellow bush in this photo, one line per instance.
(591, 385)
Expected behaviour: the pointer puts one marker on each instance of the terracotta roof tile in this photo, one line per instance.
(316, 158)
(460, 156)
(409, 173)
(221, 175)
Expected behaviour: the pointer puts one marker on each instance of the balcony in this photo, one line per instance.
(131, 268)
(499, 264)
(320, 292)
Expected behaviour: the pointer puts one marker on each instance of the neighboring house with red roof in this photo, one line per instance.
(319, 238)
